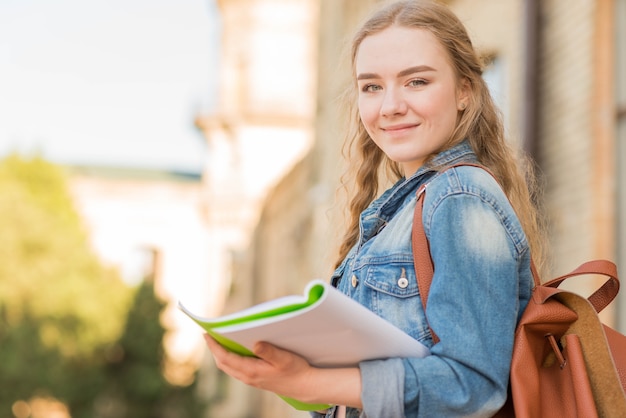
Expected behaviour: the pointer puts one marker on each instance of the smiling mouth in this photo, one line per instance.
(397, 128)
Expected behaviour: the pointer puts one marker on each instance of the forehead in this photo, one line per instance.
(399, 48)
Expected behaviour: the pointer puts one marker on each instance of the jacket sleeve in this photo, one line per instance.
(382, 388)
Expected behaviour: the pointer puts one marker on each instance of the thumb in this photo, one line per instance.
(264, 350)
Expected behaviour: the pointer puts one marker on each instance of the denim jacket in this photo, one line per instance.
(481, 285)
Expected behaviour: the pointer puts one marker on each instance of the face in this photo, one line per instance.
(408, 100)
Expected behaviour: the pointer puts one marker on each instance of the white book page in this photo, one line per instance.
(334, 332)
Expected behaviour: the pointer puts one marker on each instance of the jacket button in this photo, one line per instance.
(355, 281)
(403, 282)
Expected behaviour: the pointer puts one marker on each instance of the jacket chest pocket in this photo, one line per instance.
(394, 295)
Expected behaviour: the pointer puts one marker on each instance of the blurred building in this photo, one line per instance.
(262, 127)
(556, 68)
(150, 224)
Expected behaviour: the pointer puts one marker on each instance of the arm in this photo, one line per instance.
(288, 374)
(478, 249)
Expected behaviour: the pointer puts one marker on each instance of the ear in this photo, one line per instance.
(463, 94)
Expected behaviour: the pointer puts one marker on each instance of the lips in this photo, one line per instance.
(399, 127)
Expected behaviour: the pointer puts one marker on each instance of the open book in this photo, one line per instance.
(323, 325)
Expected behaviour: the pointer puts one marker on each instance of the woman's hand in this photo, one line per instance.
(288, 374)
(275, 370)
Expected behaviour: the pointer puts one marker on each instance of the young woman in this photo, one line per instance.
(422, 106)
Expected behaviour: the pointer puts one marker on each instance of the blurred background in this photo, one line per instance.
(157, 151)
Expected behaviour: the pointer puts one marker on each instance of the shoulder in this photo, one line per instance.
(460, 193)
(464, 179)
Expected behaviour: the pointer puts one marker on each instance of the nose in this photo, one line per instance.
(393, 103)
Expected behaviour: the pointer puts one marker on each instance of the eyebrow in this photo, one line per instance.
(403, 73)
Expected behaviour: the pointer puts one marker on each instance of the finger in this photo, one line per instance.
(213, 345)
(233, 364)
(224, 359)
(282, 361)
(262, 350)
(271, 354)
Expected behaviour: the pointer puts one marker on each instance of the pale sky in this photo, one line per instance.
(114, 82)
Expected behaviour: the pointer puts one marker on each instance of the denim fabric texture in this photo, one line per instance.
(482, 283)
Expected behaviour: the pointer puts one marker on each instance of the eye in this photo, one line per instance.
(370, 88)
(417, 82)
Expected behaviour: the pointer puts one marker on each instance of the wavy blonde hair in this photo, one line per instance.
(480, 123)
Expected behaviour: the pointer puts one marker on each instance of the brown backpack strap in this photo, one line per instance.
(422, 260)
(606, 293)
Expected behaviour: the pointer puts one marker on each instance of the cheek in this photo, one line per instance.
(367, 112)
(442, 110)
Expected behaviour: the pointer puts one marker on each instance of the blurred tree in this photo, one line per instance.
(58, 305)
(135, 381)
(65, 326)
(48, 269)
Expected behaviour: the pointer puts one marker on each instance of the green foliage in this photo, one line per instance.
(65, 326)
(138, 374)
(58, 305)
(48, 269)
(135, 380)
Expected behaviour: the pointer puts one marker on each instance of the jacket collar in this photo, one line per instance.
(395, 197)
